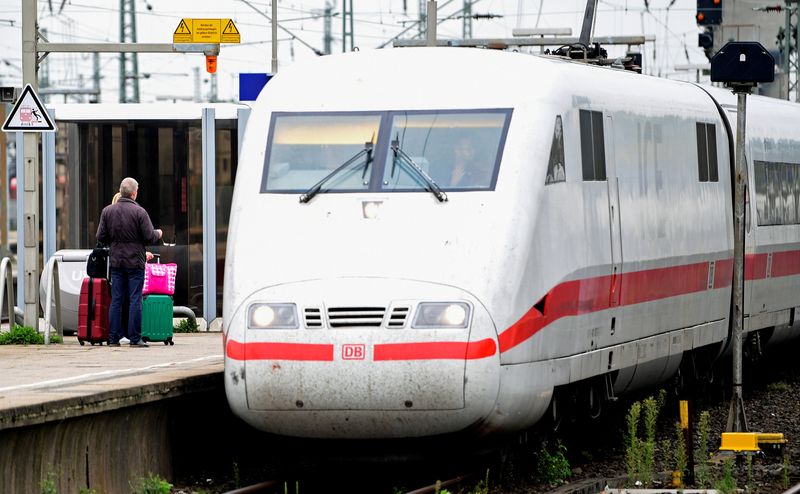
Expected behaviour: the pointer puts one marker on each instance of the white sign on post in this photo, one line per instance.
(28, 114)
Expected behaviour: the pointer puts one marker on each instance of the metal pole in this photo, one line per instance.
(274, 23)
(787, 46)
(737, 421)
(588, 22)
(3, 191)
(49, 192)
(209, 216)
(31, 169)
(352, 33)
(796, 11)
(431, 24)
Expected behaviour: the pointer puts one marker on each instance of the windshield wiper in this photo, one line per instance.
(404, 159)
(317, 187)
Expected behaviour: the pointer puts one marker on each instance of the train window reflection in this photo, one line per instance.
(458, 150)
(777, 193)
(305, 148)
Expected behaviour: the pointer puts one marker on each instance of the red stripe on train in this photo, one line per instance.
(569, 298)
(577, 297)
(279, 351)
(439, 350)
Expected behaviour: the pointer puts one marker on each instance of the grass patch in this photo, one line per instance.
(25, 335)
(186, 326)
(780, 386)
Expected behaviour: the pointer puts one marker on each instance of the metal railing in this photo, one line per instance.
(51, 270)
(8, 291)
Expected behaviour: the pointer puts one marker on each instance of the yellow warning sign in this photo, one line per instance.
(182, 34)
(206, 31)
(229, 33)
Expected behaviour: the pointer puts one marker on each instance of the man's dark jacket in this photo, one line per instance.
(127, 228)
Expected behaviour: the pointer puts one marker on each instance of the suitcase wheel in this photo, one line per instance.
(171, 342)
(166, 342)
(81, 342)
(145, 339)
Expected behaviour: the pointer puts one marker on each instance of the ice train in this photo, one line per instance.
(435, 240)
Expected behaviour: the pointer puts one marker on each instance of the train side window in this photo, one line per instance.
(796, 186)
(707, 152)
(774, 194)
(711, 140)
(761, 192)
(789, 216)
(556, 171)
(593, 150)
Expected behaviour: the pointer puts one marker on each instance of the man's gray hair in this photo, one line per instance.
(128, 187)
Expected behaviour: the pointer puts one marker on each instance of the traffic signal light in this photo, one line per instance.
(706, 39)
(709, 12)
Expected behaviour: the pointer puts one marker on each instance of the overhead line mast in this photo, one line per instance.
(128, 62)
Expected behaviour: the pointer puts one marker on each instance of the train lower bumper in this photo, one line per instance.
(336, 377)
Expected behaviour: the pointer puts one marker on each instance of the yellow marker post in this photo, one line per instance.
(688, 433)
(206, 31)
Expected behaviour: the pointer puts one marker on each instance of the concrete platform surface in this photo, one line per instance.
(42, 383)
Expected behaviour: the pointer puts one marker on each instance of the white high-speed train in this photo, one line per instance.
(431, 240)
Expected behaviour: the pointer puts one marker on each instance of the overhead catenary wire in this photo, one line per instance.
(315, 50)
(378, 21)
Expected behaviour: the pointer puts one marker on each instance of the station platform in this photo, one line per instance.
(44, 383)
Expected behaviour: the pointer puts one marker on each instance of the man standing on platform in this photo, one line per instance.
(127, 228)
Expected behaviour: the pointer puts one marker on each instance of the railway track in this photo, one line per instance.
(595, 448)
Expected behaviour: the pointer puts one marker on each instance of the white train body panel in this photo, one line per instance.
(619, 274)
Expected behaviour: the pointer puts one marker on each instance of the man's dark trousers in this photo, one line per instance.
(130, 281)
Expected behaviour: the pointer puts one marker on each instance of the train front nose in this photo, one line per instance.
(367, 358)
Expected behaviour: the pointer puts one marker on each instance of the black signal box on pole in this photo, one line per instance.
(709, 12)
(742, 62)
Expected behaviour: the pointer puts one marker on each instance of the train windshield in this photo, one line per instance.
(459, 150)
(304, 149)
(455, 149)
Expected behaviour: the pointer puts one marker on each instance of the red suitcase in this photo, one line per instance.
(93, 305)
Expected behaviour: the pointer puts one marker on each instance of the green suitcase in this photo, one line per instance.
(157, 318)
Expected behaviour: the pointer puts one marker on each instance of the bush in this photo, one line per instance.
(186, 326)
(552, 468)
(153, 484)
(25, 335)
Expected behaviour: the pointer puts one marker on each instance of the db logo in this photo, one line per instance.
(353, 352)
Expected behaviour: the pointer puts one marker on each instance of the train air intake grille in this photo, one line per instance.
(344, 317)
(398, 317)
(313, 317)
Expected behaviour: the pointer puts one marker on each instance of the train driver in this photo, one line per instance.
(468, 170)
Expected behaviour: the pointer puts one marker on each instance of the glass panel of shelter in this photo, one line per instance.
(165, 157)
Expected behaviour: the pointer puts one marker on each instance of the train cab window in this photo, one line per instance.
(458, 150)
(555, 167)
(707, 152)
(305, 148)
(593, 149)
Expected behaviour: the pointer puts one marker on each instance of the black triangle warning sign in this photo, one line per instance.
(183, 33)
(229, 33)
(183, 28)
(28, 114)
(230, 28)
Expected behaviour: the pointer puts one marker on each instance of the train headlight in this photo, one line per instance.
(441, 315)
(272, 316)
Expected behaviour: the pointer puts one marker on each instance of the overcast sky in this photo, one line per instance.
(375, 22)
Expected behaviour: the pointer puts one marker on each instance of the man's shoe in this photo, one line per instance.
(113, 344)
(140, 343)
